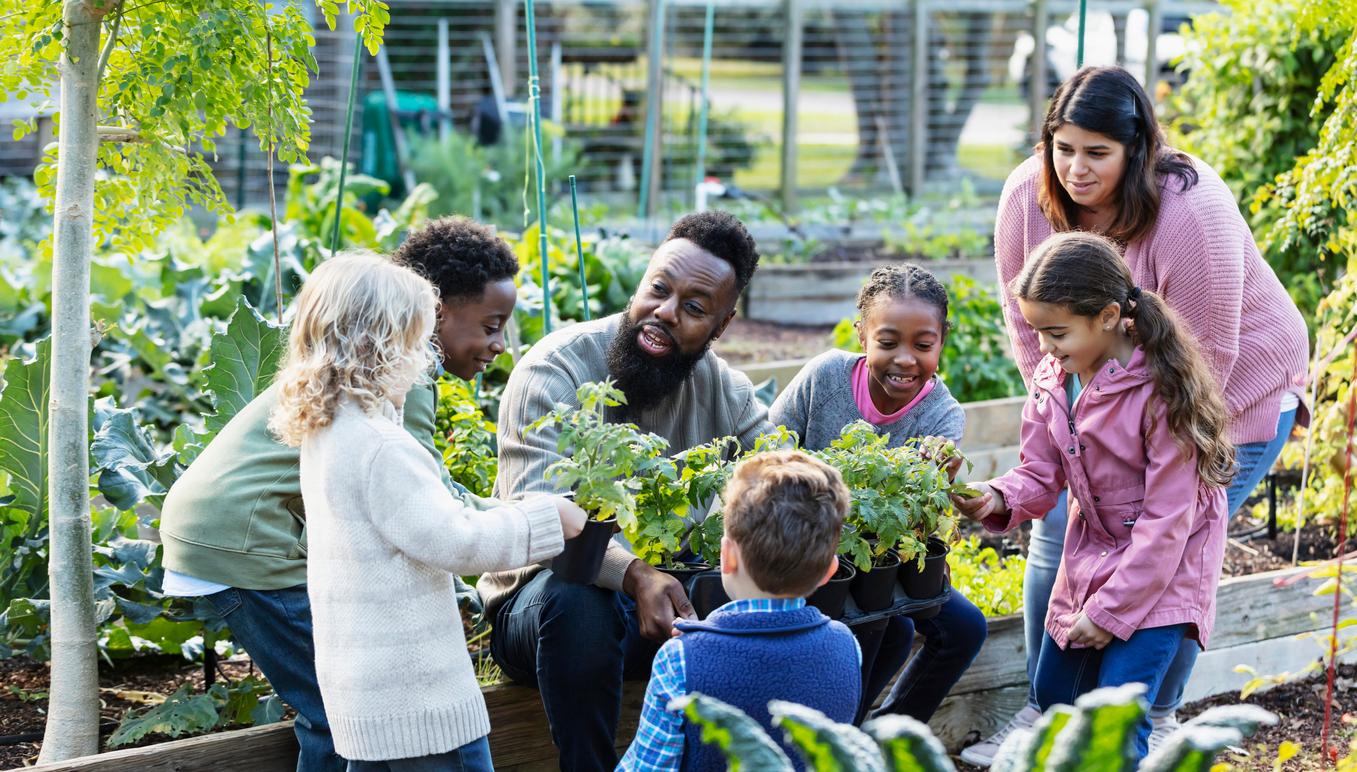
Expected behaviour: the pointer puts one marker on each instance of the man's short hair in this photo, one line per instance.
(459, 256)
(723, 235)
(785, 509)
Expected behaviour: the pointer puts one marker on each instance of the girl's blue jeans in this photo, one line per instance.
(1063, 675)
(1048, 543)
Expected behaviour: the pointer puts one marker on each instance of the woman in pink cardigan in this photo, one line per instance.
(1102, 166)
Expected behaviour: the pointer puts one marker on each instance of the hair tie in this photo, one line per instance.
(1132, 300)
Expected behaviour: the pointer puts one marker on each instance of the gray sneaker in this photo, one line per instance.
(1163, 728)
(982, 753)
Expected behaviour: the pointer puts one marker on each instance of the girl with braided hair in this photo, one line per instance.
(901, 326)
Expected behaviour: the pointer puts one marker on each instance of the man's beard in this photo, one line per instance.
(645, 379)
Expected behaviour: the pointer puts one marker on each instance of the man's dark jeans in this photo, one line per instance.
(575, 643)
(274, 626)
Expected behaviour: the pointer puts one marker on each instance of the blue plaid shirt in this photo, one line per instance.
(658, 746)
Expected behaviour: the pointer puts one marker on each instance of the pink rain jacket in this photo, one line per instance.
(1146, 535)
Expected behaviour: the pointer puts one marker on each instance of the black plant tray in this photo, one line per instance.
(903, 605)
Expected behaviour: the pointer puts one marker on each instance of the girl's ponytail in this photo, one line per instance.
(1194, 406)
(1085, 273)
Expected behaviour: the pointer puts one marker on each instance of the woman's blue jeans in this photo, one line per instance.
(1063, 675)
(1047, 544)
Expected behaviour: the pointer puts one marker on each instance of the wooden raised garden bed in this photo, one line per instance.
(1256, 625)
(824, 293)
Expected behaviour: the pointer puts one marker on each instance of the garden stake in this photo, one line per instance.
(648, 149)
(273, 200)
(348, 132)
(701, 165)
(1079, 53)
(535, 97)
(579, 248)
(1305, 464)
(1331, 754)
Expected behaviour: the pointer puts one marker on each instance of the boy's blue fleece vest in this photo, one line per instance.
(747, 659)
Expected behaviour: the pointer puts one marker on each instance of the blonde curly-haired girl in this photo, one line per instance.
(385, 536)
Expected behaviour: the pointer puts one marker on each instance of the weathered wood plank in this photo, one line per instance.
(1250, 608)
(993, 423)
(271, 748)
(520, 736)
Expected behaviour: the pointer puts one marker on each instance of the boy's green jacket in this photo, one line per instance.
(235, 515)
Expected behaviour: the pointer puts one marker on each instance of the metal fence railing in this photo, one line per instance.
(865, 96)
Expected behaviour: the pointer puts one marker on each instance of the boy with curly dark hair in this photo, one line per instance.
(233, 526)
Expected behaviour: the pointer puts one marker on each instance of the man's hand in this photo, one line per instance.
(660, 600)
(989, 502)
(1087, 633)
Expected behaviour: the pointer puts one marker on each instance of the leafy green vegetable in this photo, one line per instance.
(740, 739)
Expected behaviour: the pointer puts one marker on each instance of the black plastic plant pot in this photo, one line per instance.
(684, 572)
(874, 590)
(921, 585)
(582, 557)
(831, 596)
(706, 592)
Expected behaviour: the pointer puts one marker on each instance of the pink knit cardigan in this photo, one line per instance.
(1202, 259)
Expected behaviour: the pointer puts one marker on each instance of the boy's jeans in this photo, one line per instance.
(1048, 544)
(274, 626)
(1064, 675)
(472, 757)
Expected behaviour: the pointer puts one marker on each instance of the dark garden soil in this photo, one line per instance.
(130, 685)
(747, 341)
(1300, 707)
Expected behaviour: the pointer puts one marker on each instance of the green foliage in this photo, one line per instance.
(706, 470)
(823, 743)
(925, 241)
(975, 358)
(991, 582)
(486, 182)
(901, 495)
(1269, 106)
(907, 745)
(613, 268)
(661, 515)
(244, 361)
(465, 437)
(1097, 733)
(603, 462)
(23, 430)
(249, 701)
(742, 741)
(173, 79)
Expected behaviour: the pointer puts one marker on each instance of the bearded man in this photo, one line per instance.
(575, 642)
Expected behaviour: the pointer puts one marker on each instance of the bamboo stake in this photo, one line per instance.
(348, 133)
(579, 247)
(1079, 53)
(535, 97)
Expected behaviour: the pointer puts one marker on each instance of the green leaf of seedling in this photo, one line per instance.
(746, 747)
(825, 745)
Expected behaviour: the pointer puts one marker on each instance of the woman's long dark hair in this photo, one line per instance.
(1109, 101)
(1084, 273)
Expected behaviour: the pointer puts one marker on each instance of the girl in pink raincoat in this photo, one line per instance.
(1125, 412)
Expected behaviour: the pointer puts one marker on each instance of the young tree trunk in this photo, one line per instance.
(73, 708)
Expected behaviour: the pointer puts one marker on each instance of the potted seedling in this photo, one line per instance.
(706, 470)
(601, 465)
(662, 521)
(923, 546)
(878, 477)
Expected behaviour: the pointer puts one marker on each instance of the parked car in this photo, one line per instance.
(1100, 48)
